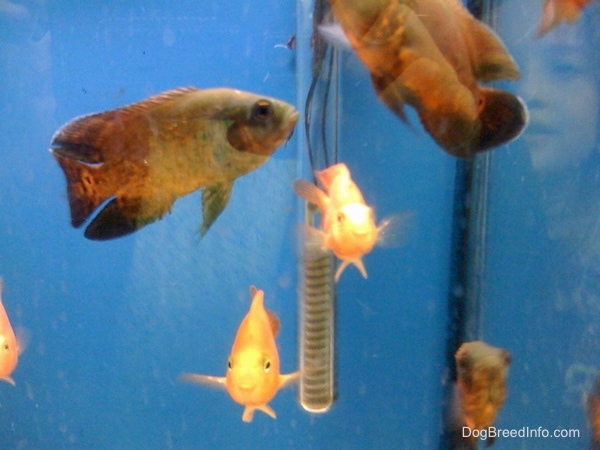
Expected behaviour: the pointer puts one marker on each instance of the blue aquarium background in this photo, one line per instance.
(502, 248)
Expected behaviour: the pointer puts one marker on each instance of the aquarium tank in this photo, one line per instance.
(134, 239)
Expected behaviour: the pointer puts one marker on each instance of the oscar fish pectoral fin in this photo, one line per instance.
(214, 201)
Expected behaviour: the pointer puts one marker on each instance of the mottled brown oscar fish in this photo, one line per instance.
(481, 386)
(137, 160)
(557, 11)
(432, 54)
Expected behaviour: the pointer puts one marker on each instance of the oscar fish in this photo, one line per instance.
(137, 160)
(348, 225)
(11, 346)
(557, 11)
(253, 377)
(481, 384)
(431, 55)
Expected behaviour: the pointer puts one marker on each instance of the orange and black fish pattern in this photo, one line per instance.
(137, 160)
(431, 55)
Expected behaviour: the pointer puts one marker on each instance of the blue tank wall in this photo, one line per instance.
(112, 324)
(539, 278)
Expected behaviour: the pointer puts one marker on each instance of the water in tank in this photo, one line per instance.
(155, 236)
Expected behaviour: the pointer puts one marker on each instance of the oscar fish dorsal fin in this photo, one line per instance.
(83, 138)
(489, 58)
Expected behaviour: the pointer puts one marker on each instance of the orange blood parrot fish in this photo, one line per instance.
(137, 160)
(557, 11)
(10, 346)
(593, 407)
(348, 226)
(432, 54)
(481, 384)
(253, 376)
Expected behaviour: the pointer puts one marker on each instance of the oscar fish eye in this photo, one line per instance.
(267, 366)
(262, 110)
(229, 364)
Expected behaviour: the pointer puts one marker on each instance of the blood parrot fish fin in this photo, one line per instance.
(8, 379)
(273, 322)
(311, 193)
(314, 242)
(287, 379)
(345, 263)
(207, 380)
(23, 338)
(214, 201)
(248, 414)
(273, 319)
(393, 231)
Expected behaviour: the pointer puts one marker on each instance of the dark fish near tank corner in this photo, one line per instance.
(253, 377)
(557, 11)
(482, 371)
(431, 54)
(137, 160)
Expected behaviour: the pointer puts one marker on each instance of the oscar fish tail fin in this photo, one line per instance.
(84, 191)
(503, 118)
(88, 190)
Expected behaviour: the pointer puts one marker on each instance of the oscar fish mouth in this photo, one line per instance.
(291, 120)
